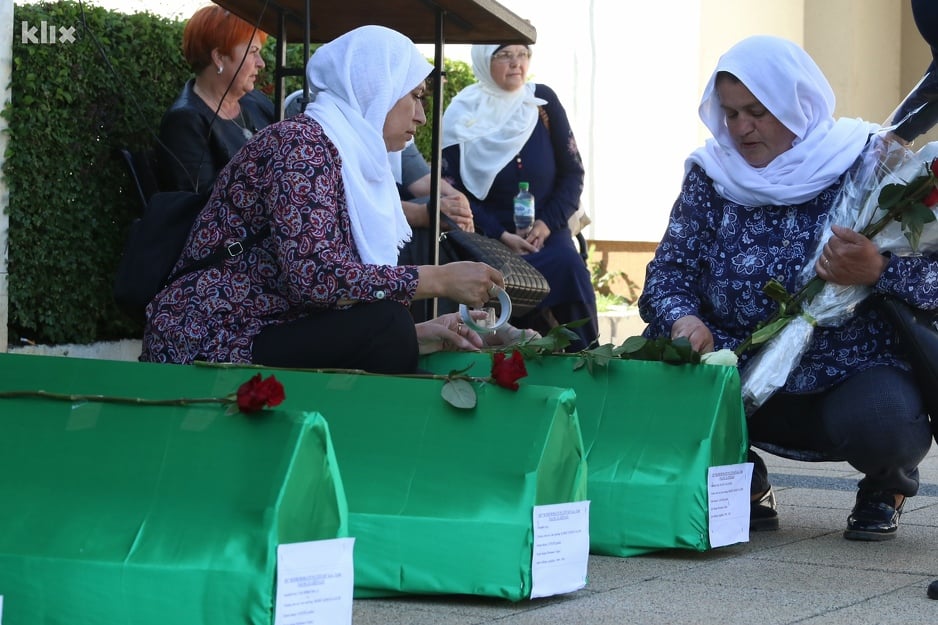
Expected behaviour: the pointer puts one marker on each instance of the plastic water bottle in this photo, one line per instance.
(524, 210)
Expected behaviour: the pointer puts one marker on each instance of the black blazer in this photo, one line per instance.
(195, 144)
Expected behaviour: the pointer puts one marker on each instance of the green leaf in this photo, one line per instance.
(766, 332)
(679, 350)
(562, 336)
(603, 354)
(459, 394)
(660, 349)
(913, 223)
(632, 345)
(670, 354)
(927, 214)
(891, 195)
(545, 343)
(775, 290)
(912, 229)
(598, 356)
(812, 288)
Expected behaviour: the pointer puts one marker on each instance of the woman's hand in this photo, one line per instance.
(466, 282)
(696, 331)
(508, 335)
(448, 333)
(456, 207)
(516, 244)
(850, 258)
(538, 235)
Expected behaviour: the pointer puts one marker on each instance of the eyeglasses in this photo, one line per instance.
(510, 57)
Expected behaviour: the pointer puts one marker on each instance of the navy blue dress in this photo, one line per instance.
(550, 162)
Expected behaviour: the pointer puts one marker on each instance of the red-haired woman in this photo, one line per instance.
(218, 110)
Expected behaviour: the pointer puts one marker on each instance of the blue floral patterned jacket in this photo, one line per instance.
(716, 256)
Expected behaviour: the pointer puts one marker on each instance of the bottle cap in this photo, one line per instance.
(522, 186)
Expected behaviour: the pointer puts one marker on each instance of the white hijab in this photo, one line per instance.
(355, 80)
(489, 124)
(791, 86)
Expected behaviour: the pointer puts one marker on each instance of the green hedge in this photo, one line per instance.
(70, 196)
(71, 199)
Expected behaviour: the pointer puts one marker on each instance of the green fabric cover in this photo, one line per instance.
(113, 513)
(651, 431)
(441, 499)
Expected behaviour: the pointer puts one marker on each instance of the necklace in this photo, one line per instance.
(245, 130)
(243, 125)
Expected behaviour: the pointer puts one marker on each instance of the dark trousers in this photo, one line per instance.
(873, 420)
(377, 337)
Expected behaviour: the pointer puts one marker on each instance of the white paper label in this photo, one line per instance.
(315, 581)
(728, 503)
(561, 548)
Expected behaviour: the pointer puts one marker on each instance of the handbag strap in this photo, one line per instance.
(448, 221)
(229, 251)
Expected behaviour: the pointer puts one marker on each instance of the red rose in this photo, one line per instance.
(256, 394)
(932, 198)
(507, 371)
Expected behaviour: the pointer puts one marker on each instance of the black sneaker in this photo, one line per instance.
(875, 516)
(763, 513)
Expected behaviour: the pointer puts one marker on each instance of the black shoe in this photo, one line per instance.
(875, 516)
(763, 513)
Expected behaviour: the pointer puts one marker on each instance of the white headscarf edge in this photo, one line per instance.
(355, 80)
(489, 124)
(787, 81)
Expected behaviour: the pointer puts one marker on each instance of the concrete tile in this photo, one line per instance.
(449, 609)
(907, 605)
(912, 552)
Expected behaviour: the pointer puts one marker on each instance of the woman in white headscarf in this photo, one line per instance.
(321, 288)
(504, 130)
(752, 208)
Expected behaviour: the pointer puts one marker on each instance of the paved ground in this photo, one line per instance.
(805, 573)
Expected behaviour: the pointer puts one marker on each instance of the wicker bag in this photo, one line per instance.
(526, 286)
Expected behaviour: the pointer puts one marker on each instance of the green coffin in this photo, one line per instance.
(113, 513)
(651, 431)
(441, 499)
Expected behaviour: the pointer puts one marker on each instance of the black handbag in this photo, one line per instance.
(526, 286)
(154, 244)
(918, 334)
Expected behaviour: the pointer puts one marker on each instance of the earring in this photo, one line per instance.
(220, 68)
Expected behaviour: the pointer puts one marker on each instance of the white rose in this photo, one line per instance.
(725, 357)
